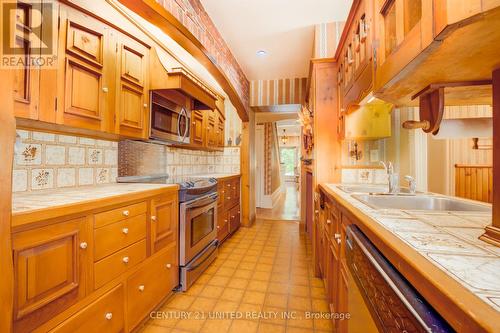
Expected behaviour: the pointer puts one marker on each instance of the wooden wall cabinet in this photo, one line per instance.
(197, 128)
(355, 56)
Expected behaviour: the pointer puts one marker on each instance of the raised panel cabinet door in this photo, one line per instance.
(220, 132)
(49, 271)
(84, 71)
(197, 131)
(211, 134)
(132, 108)
(164, 221)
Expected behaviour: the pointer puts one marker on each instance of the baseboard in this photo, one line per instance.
(268, 201)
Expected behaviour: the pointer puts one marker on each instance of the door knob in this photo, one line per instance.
(125, 260)
(83, 245)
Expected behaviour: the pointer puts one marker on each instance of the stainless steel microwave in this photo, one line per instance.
(170, 122)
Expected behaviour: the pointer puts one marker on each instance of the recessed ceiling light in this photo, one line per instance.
(261, 53)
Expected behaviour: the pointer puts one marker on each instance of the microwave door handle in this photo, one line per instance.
(187, 124)
(179, 124)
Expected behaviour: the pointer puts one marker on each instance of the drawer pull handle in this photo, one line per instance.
(125, 260)
(141, 287)
(126, 213)
(83, 245)
(108, 315)
(328, 221)
(169, 266)
(125, 230)
(153, 218)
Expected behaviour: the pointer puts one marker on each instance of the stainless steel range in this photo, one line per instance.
(198, 244)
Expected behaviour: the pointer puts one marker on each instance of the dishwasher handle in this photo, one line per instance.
(394, 303)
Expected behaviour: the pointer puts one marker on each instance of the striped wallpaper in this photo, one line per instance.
(326, 39)
(274, 92)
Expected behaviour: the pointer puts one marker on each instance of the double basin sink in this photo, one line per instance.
(377, 198)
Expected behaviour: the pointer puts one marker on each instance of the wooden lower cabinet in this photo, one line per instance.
(228, 208)
(148, 286)
(106, 314)
(95, 272)
(49, 271)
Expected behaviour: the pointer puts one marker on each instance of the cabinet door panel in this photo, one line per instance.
(132, 67)
(164, 221)
(197, 131)
(79, 79)
(48, 270)
(85, 41)
(132, 111)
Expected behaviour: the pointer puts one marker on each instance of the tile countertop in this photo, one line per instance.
(448, 240)
(26, 203)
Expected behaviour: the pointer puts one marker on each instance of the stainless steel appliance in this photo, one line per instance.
(380, 299)
(169, 121)
(198, 243)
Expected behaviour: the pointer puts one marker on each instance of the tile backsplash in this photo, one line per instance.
(364, 176)
(145, 158)
(47, 160)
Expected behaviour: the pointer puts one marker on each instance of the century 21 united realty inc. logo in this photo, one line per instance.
(29, 34)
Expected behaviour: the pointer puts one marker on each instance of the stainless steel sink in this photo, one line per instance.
(362, 188)
(421, 202)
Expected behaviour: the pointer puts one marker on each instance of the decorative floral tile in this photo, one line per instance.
(42, 179)
(30, 154)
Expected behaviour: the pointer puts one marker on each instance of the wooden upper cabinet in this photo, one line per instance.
(164, 221)
(85, 71)
(132, 107)
(355, 54)
(49, 271)
(197, 128)
(220, 131)
(211, 132)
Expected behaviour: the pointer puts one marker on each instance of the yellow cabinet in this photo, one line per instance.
(369, 122)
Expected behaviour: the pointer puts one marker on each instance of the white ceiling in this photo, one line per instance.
(292, 127)
(283, 28)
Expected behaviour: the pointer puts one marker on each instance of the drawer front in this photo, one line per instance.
(116, 264)
(106, 314)
(222, 225)
(118, 214)
(116, 236)
(147, 287)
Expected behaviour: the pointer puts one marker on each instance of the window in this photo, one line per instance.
(289, 159)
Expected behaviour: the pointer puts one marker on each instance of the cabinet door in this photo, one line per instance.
(164, 221)
(26, 79)
(222, 224)
(85, 64)
(131, 116)
(49, 271)
(220, 131)
(197, 129)
(211, 133)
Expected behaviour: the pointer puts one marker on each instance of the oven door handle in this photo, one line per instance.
(203, 202)
(192, 268)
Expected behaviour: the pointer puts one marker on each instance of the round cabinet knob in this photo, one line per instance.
(316, 211)
(208, 128)
(108, 315)
(223, 191)
(153, 218)
(218, 227)
(105, 89)
(125, 260)
(228, 198)
(339, 240)
(126, 213)
(239, 212)
(328, 221)
(225, 221)
(169, 266)
(83, 245)
(194, 123)
(141, 287)
(145, 105)
(125, 230)
(232, 217)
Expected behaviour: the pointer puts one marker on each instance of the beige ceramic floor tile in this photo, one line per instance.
(270, 328)
(243, 326)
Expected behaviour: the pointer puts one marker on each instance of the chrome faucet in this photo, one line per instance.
(391, 176)
(412, 184)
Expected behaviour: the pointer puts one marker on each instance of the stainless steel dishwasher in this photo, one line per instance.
(381, 296)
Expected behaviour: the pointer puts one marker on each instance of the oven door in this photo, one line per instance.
(198, 226)
(169, 122)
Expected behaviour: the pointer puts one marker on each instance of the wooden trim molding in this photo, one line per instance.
(492, 233)
(7, 135)
(166, 21)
